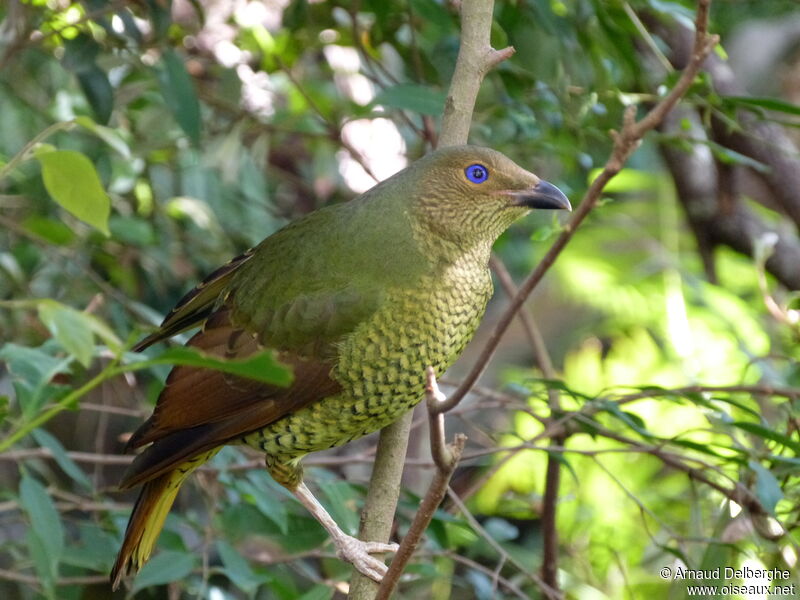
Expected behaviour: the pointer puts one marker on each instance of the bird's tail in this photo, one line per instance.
(146, 521)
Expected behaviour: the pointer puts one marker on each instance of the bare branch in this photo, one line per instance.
(476, 57)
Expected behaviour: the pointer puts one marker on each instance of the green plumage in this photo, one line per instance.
(358, 298)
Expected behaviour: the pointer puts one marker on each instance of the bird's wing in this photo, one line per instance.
(196, 305)
(200, 409)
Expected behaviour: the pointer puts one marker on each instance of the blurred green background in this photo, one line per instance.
(142, 144)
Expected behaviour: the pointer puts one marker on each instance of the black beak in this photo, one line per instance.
(542, 195)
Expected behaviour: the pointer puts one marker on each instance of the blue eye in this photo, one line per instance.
(477, 173)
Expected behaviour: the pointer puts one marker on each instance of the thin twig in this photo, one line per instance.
(546, 589)
(509, 585)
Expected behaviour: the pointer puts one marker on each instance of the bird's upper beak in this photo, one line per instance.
(542, 195)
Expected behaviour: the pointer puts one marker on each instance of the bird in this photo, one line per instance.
(358, 299)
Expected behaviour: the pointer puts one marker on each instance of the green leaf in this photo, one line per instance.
(767, 103)
(42, 562)
(132, 230)
(731, 157)
(95, 550)
(318, 592)
(768, 434)
(631, 180)
(31, 365)
(46, 440)
(109, 135)
(500, 529)
(706, 449)
(556, 384)
(342, 504)
(71, 180)
(630, 419)
(98, 91)
(237, 568)
(72, 329)
(44, 519)
(416, 98)
(53, 231)
(80, 53)
(32, 370)
(179, 94)
(561, 458)
(257, 487)
(260, 367)
(768, 489)
(482, 585)
(164, 567)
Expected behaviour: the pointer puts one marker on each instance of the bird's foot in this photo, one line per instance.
(359, 554)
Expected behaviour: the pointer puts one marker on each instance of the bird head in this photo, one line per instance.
(470, 194)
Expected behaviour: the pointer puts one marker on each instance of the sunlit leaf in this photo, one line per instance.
(71, 180)
(630, 419)
(768, 434)
(631, 180)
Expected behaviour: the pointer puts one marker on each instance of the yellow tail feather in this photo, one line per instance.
(148, 517)
(145, 524)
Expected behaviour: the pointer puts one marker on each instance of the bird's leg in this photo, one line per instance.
(353, 550)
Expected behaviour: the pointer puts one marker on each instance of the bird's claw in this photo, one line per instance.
(359, 554)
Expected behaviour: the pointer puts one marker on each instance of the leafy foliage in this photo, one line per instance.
(146, 143)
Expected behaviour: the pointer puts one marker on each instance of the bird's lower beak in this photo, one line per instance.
(542, 195)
